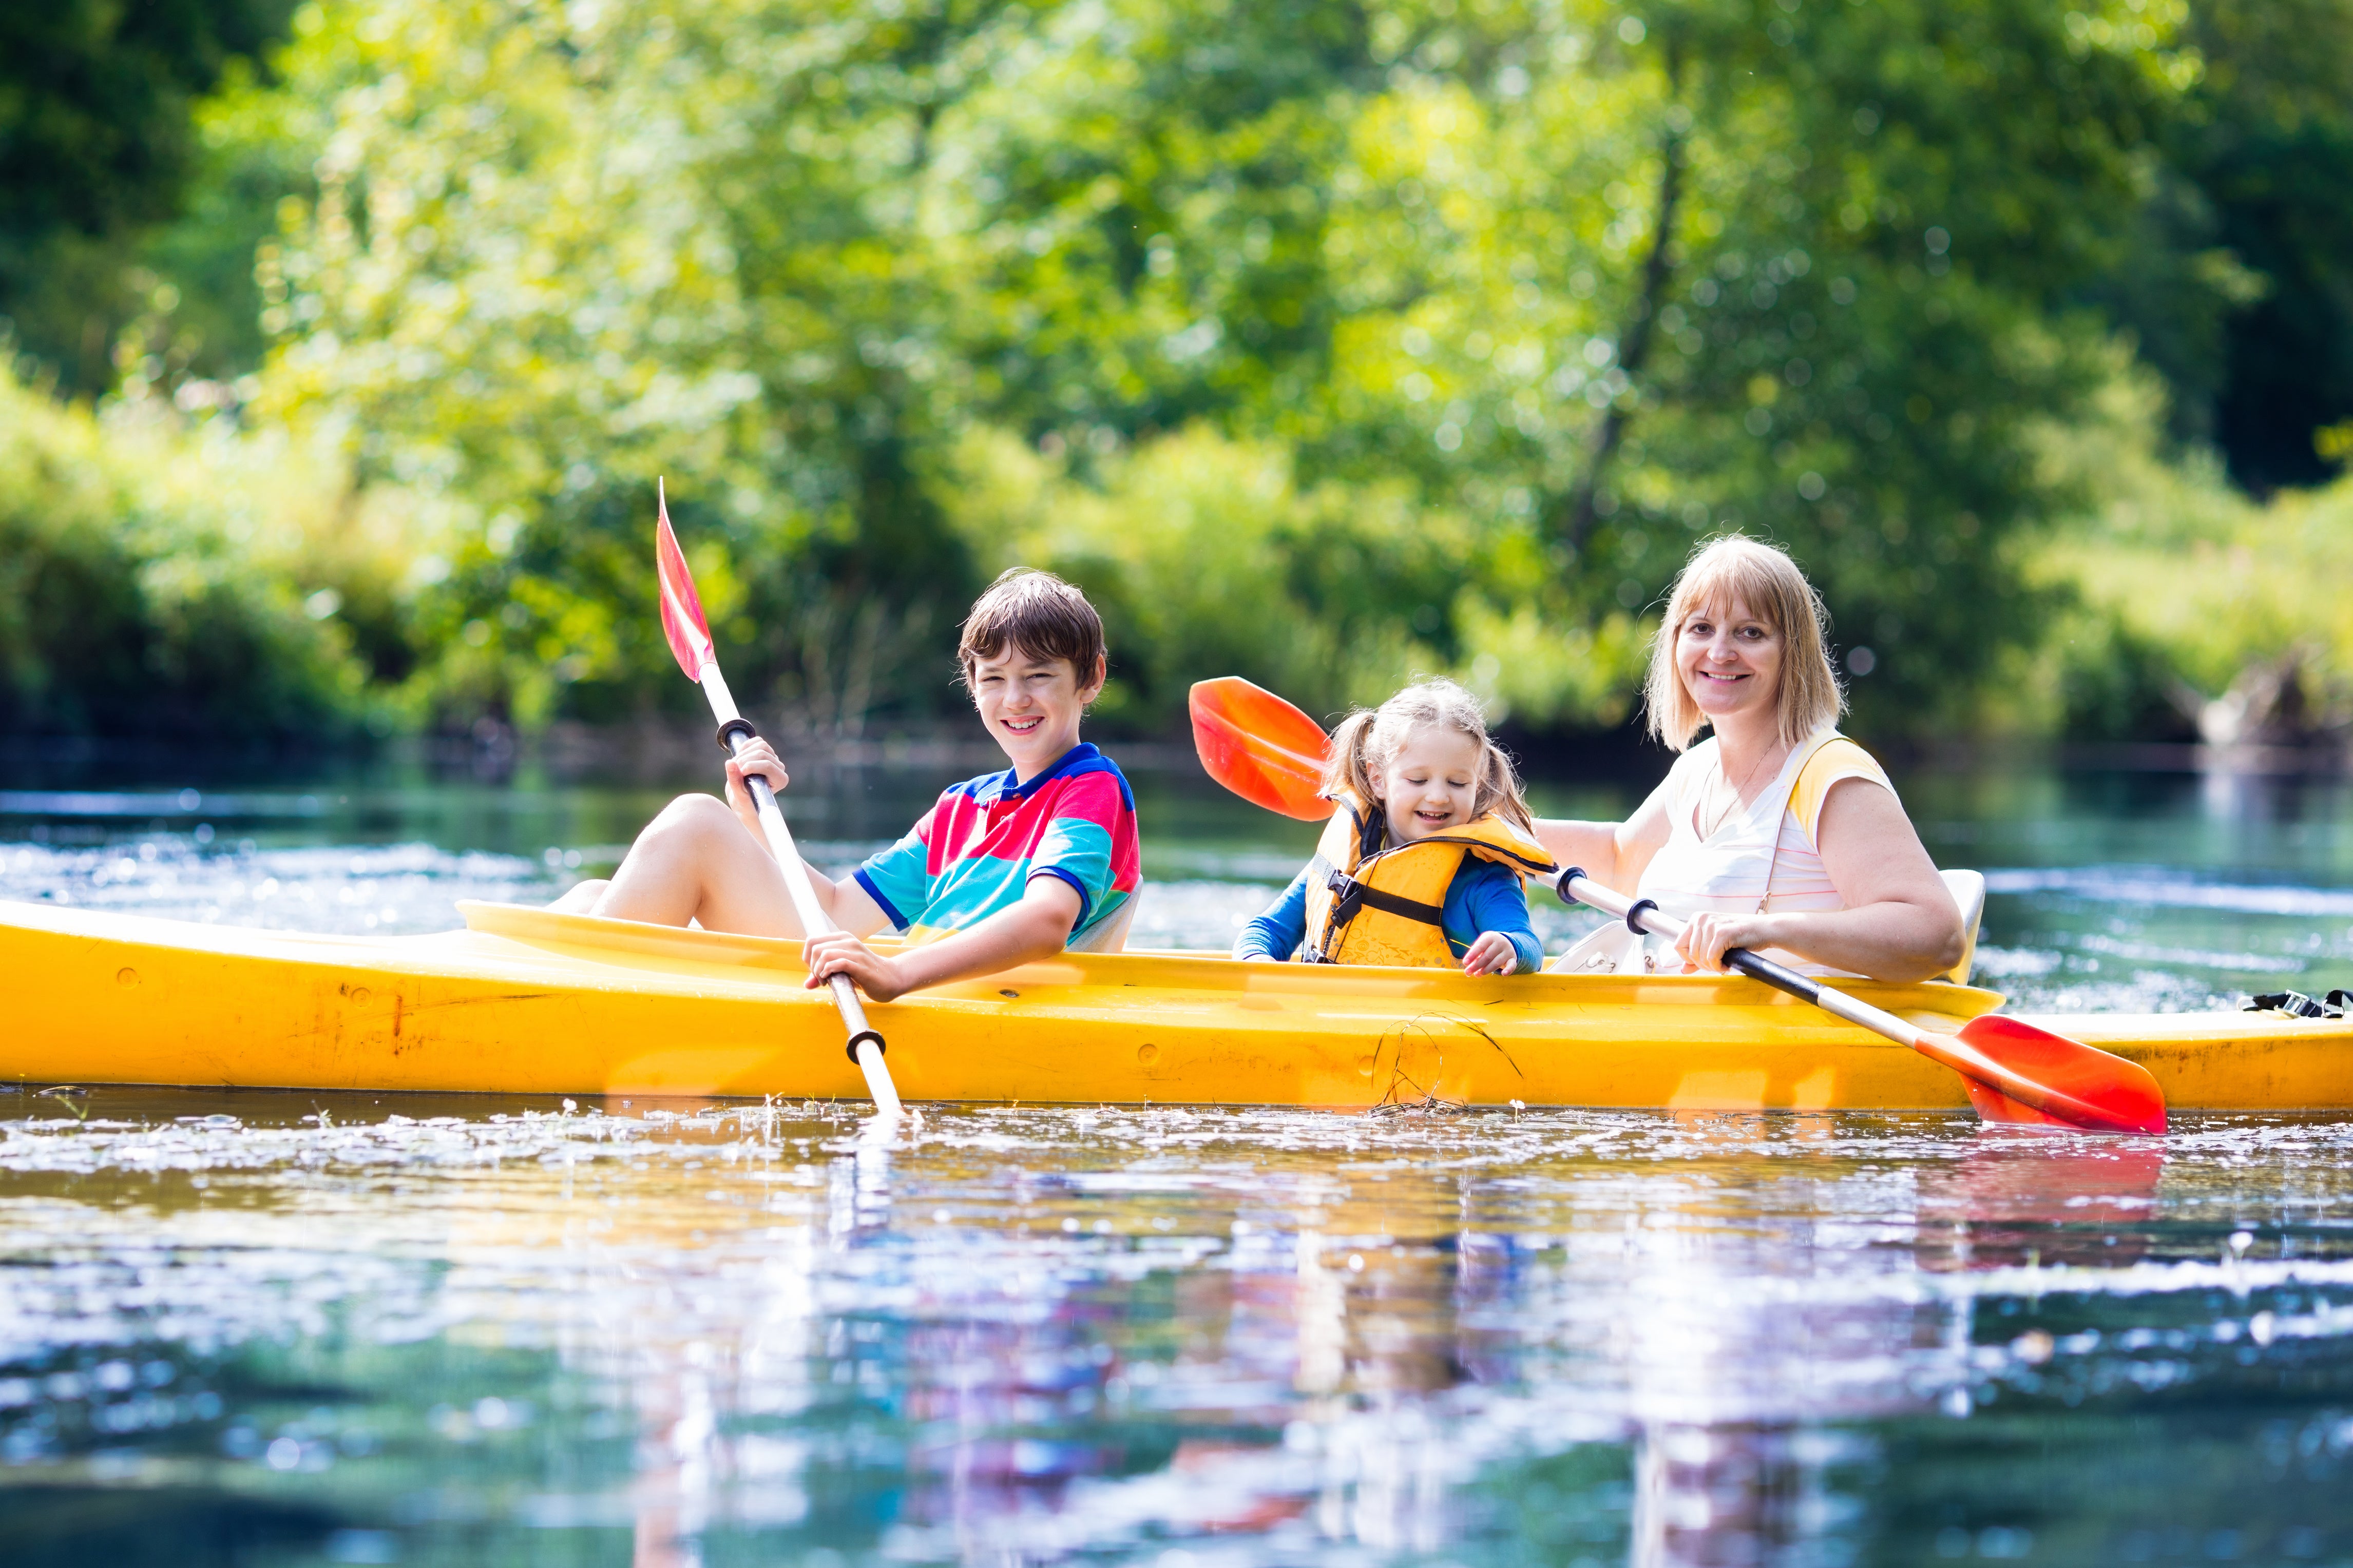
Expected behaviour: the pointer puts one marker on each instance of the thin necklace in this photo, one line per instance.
(1750, 777)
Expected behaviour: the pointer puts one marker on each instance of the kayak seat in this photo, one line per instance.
(1969, 890)
(1112, 935)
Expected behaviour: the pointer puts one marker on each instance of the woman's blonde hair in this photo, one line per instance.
(1369, 739)
(1736, 569)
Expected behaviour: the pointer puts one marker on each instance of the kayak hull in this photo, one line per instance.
(528, 1001)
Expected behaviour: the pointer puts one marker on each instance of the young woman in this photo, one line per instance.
(1776, 834)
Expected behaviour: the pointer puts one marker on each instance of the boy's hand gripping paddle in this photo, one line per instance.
(1260, 747)
(689, 639)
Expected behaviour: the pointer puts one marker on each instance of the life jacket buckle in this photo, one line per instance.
(1348, 897)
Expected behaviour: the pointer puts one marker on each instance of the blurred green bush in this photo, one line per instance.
(142, 593)
(2193, 611)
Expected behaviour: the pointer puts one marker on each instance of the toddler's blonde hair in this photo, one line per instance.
(1369, 739)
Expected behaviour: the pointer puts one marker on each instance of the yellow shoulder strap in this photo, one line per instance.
(1835, 759)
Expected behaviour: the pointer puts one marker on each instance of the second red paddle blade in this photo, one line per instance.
(2122, 1093)
(682, 608)
(1260, 747)
(1993, 1105)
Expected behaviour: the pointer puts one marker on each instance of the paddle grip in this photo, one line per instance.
(1962, 1055)
(1643, 915)
(812, 915)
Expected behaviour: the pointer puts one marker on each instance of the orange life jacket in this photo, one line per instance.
(1366, 904)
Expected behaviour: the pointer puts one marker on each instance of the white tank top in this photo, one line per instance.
(1759, 859)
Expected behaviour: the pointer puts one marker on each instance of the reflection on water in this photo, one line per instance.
(278, 1328)
(471, 1331)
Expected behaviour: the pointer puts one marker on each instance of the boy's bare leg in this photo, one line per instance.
(697, 861)
(580, 898)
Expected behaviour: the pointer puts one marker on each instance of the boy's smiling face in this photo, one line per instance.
(1032, 705)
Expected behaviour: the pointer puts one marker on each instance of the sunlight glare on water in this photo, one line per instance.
(1089, 1334)
(335, 1327)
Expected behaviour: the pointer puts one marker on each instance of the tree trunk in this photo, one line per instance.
(1634, 342)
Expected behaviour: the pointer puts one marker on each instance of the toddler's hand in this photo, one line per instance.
(1492, 954)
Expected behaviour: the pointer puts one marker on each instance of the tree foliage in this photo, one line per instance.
(1324, 342)
(1536, 292)
(147, 588)
(97, 145)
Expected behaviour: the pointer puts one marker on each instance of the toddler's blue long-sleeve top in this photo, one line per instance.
(1484, 896)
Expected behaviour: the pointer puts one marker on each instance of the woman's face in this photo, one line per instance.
(1730, 662)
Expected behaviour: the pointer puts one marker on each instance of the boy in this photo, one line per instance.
(1002, 869)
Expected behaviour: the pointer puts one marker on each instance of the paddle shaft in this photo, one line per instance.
(865, 1042)
(1642, 915)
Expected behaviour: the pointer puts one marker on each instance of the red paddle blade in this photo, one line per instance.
(2078, 1085)
(1260, 747)
(681, 610)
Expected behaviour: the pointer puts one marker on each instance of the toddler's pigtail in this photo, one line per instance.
(1499, 790)
(1346, 766)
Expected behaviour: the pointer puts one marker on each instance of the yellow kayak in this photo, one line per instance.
(530, 1001)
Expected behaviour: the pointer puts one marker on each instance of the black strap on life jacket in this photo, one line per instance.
(1349, 895)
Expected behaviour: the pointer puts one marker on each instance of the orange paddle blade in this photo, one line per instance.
(1260, 747)
(2066, 1081)
(681, 610)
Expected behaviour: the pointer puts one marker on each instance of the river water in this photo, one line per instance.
(278, 1328)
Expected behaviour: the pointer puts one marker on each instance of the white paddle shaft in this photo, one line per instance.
(865, 1043)
(1642, 915)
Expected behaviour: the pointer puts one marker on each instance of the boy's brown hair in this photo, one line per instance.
(1038, 613)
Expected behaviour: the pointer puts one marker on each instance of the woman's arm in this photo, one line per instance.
(1612, 853)
(1278, 933)
(1038, 927)
(1900, 924)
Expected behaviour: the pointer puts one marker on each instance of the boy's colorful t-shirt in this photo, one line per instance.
(982, 843)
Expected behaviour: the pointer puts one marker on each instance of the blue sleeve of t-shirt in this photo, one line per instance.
(1278, 933)
(1485, 897)
(898, 879)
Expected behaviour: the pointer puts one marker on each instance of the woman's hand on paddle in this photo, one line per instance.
(839, 953)
(1492, 954)
(1708, 937)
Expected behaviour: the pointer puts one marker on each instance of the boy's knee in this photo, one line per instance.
(580, 898)
(695, 815)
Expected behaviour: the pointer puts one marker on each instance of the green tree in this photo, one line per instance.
(1551, 286)
(96, 149)
(2254, 221)
(1596, 277)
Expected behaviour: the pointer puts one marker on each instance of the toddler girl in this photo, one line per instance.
(1421, 863)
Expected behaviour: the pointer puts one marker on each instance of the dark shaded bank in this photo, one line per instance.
(145, 777)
